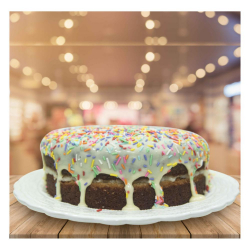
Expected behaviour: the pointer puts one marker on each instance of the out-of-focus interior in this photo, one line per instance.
(171, 69)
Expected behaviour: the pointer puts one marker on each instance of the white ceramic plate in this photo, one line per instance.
(30, 191)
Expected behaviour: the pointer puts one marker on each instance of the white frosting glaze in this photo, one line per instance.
(128, 152)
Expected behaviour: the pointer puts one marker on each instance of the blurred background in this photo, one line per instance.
(172, 69)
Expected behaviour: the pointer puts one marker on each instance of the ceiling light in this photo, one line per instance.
(150, 24)
(37, 77)
(145, 68)
(200, 73)
(14, 17)
(237, 28)
(135, 105)
(60, 40)
(94, 88)
(237, 52)
(145, 13)
(223, 20)
(210, 68)
(138, 89)
(110, 105)
(46, 81)
(210, 14)
(191, 78)
(162, 40)
(140, 83)
(14, 63)
(53, 85)
(86, 105)
(173, 88)
(68, 24)
(68, 57)
(90, 82)
(157, 57)
(223, 60)
(150, 56)
(27, 71)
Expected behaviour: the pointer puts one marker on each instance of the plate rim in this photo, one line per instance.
(124, 220)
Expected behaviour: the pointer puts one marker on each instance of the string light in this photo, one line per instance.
(191, 78)
(90, 82)
(140, 83)
(149, 40)
(14, 63)
(145, 68)
(162, 40)
(150, 56)
(223, 20)
(68, 24)
(150, 24)
(138, 89)
(83, 69)
(223, 60)
(27, 71)
(237, 52)
(200, 73)
(173, 88)
(145, 13)
(94, 88)
(210, 68)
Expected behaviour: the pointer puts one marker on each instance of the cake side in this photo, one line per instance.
(125, 153)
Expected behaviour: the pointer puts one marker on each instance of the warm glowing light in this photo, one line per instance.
(61, 58)
(223, 20)
(210, 68)
(86, 105)
(179, 84)
(149, 40)
(37, 77)
(237, 52)
(110, 105)
(60, 40)
(162, 40)
(53, 40)
(90, 82)
(14, 17)
(27, 71)
(94, 88)
(27, 12)
(145, 13)
(140, 83)
(200, 73)
(157, 24)
(145, 68)
(237, 28)
(83, 69)
(135, 105)
(53, 85)
(191, 78)
(14, 63)
(157, 57)
(150, 56)
(89, 76)
(200, 11)
(46, 81)
(150, 24)
(68, 24)
(68, 57)
(173, 88)
(210, 14)
(83, 13)
(138, 89)
(223, 60)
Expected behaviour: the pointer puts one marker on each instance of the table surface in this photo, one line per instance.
(26, 223)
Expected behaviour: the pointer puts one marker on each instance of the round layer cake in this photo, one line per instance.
(125, 167)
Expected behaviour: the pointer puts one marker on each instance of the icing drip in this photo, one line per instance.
(127, 152)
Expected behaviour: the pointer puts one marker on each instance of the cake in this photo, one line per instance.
(125, 167)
